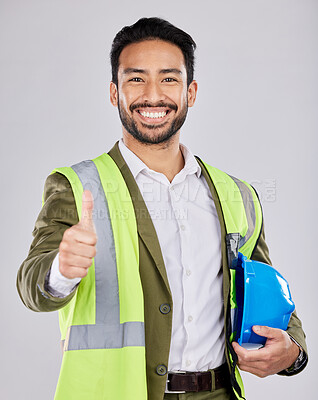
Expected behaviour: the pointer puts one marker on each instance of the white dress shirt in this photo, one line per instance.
(188, 230)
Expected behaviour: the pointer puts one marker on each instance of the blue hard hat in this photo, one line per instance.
(263, 298)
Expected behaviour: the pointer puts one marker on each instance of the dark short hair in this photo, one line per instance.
(150, 29)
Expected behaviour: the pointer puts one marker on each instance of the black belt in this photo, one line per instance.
(199, 381)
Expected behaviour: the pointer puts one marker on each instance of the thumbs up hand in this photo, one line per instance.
(78, 246)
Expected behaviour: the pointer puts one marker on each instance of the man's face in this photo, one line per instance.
(152, 95)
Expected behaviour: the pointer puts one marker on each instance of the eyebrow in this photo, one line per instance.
(170, 71)
(144, 71)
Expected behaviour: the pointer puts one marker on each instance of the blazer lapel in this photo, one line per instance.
(145, 227)
(215, 197)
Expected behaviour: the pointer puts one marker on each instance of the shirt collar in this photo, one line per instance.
(191, 165)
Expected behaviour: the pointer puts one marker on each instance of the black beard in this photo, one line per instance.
(131, 127)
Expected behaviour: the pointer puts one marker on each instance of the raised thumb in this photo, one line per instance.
(86, 220)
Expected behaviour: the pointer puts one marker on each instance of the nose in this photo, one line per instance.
(153, 92)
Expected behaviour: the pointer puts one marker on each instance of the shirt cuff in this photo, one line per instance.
(57, 284)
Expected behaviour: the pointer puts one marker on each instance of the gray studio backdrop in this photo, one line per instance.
(255, 117)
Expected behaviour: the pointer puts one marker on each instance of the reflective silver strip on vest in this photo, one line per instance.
(234, 318)
(83, 337)
(249, 207)
(108, 332)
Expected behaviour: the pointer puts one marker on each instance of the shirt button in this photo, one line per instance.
(188, 362)
(165, 308)
(189, 272)
(190, 318)
(161, 370)
(183, 228)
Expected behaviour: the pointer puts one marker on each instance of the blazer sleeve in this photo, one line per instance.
(294, 329)
(57, 214)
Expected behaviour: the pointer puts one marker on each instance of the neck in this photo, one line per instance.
(165, 157)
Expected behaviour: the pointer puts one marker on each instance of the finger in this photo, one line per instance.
(73, 272)
(77, 234)
(242, 354)
(259, 364)
(261, 373)
(86, 221)
(72, 260)
(249, 356)
(78, 248)
(266, 331)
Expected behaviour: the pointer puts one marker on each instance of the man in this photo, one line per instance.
(134, 247)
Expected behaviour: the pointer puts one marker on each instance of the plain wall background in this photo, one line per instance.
(255, 117)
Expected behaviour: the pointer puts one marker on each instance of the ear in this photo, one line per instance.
(192, 93)
(113, 94)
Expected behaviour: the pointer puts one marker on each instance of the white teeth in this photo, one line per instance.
(153, 115)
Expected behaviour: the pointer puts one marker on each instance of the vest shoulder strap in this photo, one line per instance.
(241, 210)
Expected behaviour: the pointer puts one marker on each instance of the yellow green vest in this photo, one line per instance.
(102, 327)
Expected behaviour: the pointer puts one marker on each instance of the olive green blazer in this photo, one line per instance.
(59, 213)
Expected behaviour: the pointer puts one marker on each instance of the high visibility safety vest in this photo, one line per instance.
(102, 327)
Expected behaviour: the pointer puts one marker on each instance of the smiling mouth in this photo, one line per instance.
(153, 115)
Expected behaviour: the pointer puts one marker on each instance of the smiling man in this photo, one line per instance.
(134, 248)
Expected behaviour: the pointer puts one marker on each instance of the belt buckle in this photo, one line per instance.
(174, 391)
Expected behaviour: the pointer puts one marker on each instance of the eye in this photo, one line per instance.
(135, 79)
(170, 80)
